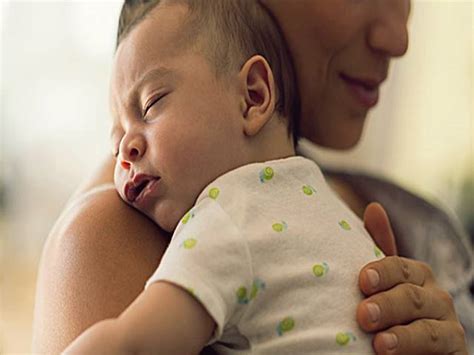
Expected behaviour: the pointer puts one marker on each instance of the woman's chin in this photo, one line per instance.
(344, 144)
(341, 129)
(341, 141)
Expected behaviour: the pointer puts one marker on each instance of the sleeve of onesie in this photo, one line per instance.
(209, 258)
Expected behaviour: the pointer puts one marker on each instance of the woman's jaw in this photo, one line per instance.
(338, 120)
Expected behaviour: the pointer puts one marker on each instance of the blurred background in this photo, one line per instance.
(55, 60)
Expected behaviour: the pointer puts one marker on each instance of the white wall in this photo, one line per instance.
(56, 58)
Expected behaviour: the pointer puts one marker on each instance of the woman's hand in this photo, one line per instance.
(404, 308)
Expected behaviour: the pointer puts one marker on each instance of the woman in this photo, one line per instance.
(101, 252)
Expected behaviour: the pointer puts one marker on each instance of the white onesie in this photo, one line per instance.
(274, 256)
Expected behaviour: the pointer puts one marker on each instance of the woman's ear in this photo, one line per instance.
(258, 86)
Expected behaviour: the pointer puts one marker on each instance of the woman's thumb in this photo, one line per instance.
(376, 221)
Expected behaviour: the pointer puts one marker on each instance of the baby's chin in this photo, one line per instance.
(155, 213)
(167, 214)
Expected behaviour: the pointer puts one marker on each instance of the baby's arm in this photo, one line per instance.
(164, 319)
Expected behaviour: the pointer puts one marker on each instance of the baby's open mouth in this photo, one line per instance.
(136, 188)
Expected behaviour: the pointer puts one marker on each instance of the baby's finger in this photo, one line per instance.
(388, 272)
(404, 304)
(423, 337)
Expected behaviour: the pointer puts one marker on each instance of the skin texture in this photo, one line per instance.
(100, 252)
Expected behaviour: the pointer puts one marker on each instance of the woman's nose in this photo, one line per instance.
(389, 33)
(132, 149)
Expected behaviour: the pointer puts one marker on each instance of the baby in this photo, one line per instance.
(264, 257)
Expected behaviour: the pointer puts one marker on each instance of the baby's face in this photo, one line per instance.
(176, 127)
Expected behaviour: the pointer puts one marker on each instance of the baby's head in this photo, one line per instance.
(198, 88)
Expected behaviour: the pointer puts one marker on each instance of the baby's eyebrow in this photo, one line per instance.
(158, 73)
(131, 97)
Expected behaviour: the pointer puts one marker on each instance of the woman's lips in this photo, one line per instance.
(365, 91)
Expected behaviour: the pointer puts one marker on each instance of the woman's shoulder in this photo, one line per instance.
(97, 224)
(95, 262)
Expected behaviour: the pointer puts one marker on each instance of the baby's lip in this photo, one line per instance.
(134, 187)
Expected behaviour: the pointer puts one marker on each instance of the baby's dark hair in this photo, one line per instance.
(230, 32)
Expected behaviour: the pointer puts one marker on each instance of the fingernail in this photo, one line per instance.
(373, 277)
(390, 340)
(374, 312)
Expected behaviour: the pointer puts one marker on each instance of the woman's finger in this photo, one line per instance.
(377, 223)
(390, 271)
(422, 337)
(404, 304)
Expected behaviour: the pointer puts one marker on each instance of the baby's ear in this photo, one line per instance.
(256, 78)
